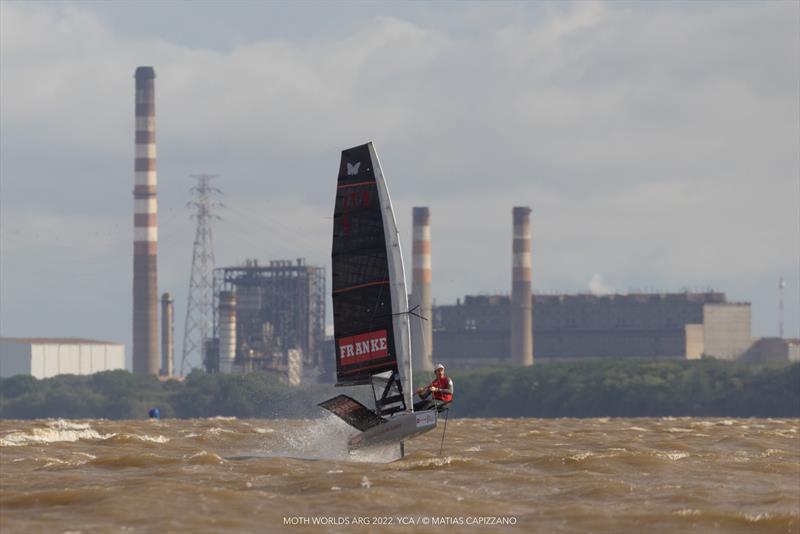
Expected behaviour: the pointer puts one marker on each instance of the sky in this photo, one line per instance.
(657, 143)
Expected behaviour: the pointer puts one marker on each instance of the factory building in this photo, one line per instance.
(476, 332)
(774, 350)
(47, 357)
(269, 317)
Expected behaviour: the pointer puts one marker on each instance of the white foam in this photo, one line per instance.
(157, 439)
(687, 511)
(63, 424)
(674, 455)
(56, 431)
(217, 430)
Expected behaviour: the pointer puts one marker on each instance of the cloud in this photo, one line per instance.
(656, 143)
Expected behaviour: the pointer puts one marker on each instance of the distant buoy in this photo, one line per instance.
(155, 414)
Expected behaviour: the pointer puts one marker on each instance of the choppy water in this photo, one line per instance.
(494, 475)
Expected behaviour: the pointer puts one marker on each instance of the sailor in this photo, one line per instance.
(441, 388)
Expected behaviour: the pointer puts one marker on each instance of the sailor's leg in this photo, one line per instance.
(425, 404)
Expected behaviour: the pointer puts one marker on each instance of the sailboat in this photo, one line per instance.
(370, 308)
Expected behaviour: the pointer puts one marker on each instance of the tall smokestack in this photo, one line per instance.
(521, 313)
(145, 229)
(167, 337)
(421, 252)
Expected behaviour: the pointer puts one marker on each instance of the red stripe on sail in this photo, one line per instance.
(351, 288)
(363, 368)
(355, 184)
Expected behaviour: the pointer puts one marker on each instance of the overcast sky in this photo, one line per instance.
(658, 144)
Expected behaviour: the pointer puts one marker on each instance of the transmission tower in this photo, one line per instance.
(198, 307)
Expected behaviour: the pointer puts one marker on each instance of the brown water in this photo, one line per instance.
(494, 475)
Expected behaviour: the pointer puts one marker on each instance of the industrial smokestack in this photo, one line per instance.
(145, 229)
(421, 296)
(167, 335)
(227, 331)
(521, 304)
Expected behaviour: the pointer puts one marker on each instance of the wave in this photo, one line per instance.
(53, 432)
(128, 438)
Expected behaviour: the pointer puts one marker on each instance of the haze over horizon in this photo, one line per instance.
(656, 142)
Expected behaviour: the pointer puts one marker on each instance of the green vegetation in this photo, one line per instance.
(625, 388)
(632, 388)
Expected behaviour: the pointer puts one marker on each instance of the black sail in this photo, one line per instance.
(361, 285)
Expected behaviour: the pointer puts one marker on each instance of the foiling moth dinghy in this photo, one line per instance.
(370, 308)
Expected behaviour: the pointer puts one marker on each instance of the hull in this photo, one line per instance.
(399, 428)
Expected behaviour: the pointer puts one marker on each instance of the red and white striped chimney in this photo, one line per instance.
(145, 229)
(521, 303)
(421, 257)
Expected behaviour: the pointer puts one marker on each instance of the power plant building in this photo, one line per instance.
(48, 357)
(571, 327)
(269, 317)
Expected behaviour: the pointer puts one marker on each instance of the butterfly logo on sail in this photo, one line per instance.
(352, 168)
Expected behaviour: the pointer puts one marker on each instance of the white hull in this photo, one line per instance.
(398, 428)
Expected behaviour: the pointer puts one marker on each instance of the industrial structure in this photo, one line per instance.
(167, 335)
(521, 310)
(48, 357)
(421, 299)
(269, 317)
(199, 312)
(569, 327)
(145, 233)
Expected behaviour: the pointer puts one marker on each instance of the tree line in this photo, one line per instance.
(614, 388)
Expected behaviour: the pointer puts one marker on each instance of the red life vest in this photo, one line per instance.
(442, 383)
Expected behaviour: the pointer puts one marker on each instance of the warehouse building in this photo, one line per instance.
(476, 332)
(47, 357)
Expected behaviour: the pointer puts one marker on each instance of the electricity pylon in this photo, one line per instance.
(201, 298)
